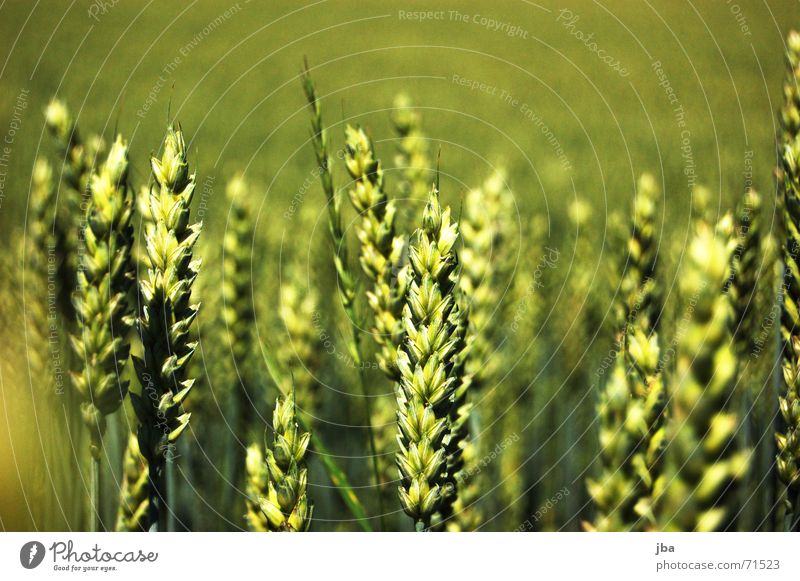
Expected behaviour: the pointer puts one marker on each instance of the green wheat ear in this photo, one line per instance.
(703, 463)
(167, 315)
(381, 249)
(486, 229)
(134, 492)
(788, 436)
(630, 409)
(102, 302)
(434, 326)
(300, 352)
(237, 308)
(277, 486)
(79, 158)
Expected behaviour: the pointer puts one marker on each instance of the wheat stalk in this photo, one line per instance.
(104, 313)
(277, 486)
(167, 315)
(703, 463)
(434, 325)
(133, 493)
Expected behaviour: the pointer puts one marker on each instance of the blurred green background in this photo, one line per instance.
(691, 96)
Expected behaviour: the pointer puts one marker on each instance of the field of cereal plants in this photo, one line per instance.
(349, 267)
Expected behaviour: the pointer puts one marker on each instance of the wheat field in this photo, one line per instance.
(344, 267)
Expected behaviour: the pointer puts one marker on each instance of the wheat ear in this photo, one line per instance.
(78, 158)
(631, 404)
(788, 436)
(102, 302)
(703, 463)
(434, 326)
(166, 318)
(133, 493)
(278, 481)
(381, 249)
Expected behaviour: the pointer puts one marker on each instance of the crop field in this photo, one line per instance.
(400, 266)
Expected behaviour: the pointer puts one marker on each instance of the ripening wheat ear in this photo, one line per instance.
(703, 463)
(747, 266)
(102, 302)
(134, 492)
(429, 372)
(788, 437)
(166, 318)
(381, 257)
(277, 485)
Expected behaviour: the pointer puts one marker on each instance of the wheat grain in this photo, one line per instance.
(167, 316)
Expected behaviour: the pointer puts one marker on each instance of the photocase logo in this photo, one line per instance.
(31, 554)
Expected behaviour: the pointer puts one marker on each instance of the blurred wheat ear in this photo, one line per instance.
(788, 436)
(697, 490)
